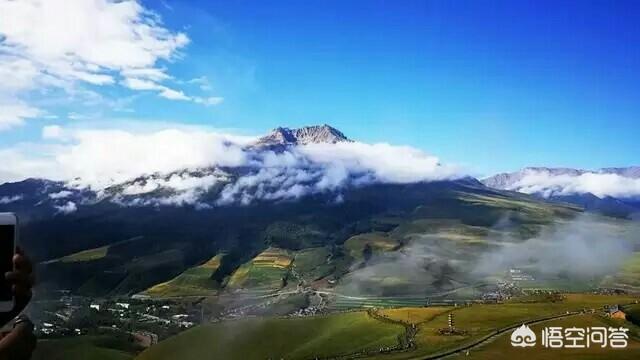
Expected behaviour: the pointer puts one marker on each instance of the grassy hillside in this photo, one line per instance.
(301, 338)
(376, 241)
(195, 281)
(312, 264)
(344, 333)
(87, 255)
(82, 348)
(629, 275)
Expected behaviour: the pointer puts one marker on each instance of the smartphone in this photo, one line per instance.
(8, 239)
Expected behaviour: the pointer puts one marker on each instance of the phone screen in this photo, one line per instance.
(7, 233)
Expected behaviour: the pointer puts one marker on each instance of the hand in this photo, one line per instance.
(22, 280)
(19, 343)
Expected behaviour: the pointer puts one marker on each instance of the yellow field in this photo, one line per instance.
(266, 271)
(414, 315)
(273, 257)
(195, 281)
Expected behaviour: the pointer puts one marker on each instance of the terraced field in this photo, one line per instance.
(267, 271)
(195, 281)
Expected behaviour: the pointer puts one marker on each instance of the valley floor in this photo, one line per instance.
(401, 333)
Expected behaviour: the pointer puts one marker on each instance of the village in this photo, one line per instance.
(144, 322)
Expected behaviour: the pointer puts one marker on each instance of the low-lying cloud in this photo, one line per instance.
(599, 184)
(581, 247)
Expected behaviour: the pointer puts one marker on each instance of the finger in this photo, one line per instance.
(18, 277)
(20, 333)
(22, 263)
(20, 342)
(21, 293)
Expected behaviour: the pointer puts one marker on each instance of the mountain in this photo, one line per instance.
(339, 218)
(611, 191)
(318, 134)
(189, 186)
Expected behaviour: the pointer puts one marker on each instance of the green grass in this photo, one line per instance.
(628, 276)
(340, 334)
(299, 338)
(312, 264)
(378, 241)
(346, 303)
(195, 281)
(86, 255)
(80, 348)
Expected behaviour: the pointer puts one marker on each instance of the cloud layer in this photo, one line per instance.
(177, 166)
(599, 184)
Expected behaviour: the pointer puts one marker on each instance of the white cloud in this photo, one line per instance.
(99, 158)
(318, 168)
(209, 101)
(599, 184)
(67, 208)
(86, 40)
(65, 44)
(173, 94)
(52, 132)
(116, 155)
(60, 195)
(10, 199)
(397, 164)
(14, 113)
(168, 93)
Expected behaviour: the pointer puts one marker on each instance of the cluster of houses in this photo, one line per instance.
(60, 318)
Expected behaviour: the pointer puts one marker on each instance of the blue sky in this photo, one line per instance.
(491, 85)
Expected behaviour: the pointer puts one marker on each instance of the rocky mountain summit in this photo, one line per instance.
(317, 134)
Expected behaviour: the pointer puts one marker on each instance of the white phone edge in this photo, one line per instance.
(9, 219)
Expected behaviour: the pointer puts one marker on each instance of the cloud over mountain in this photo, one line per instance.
(177, 166)
(548, 182)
